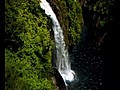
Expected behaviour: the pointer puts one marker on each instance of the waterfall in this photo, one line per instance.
(62, 63)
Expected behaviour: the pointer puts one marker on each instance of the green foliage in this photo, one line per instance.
(102, 9)
(28, 46)
(69, 14)
(75, 20)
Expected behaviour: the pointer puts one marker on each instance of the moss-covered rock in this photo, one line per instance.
(69, 14)
(28, 46)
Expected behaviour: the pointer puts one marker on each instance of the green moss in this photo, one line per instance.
(69, 14)
(28, 46)
(75, 21)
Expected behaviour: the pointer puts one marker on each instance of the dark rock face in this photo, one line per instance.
(97, 61)
(59, 80)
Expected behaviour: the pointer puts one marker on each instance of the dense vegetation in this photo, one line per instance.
(27, 46)
(69, 14)
(29, 41)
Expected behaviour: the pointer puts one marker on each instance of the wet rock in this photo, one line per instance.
(59, 80)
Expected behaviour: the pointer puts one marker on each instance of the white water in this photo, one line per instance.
(63, 64)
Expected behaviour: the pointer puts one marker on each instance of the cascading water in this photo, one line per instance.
(63, 64)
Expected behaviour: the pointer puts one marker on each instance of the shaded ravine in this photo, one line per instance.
(83, 58)
(88, 59)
